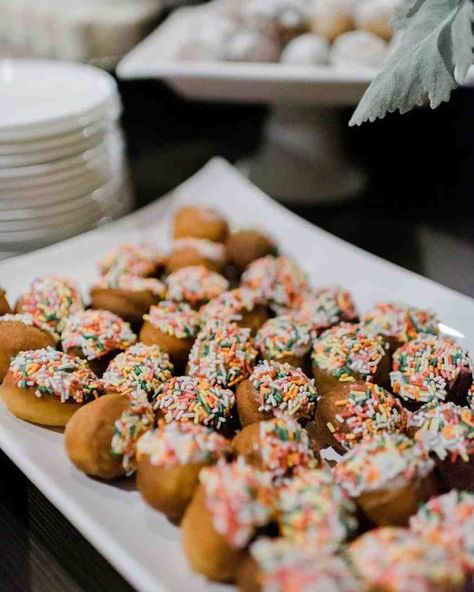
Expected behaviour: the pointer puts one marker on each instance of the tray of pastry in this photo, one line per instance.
(264, 406)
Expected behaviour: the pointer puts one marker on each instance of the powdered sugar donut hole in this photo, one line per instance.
(252, 46)
(375, 17)
(306, 49)
(283, 19)
(359, 48)
(331, 18)
(210, 38)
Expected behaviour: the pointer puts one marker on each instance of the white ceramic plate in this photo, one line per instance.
(139, 542)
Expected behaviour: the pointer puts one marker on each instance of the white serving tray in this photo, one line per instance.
(140, 543)
(157, 57)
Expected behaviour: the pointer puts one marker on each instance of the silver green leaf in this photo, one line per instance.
(433, 57)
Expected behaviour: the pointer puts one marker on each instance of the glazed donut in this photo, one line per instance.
(127, 296)
(285, 339)
(172, 326)
(446, 432)
(189, 400)
(280, 281)
(398, 323)
(200, 222)
(50, 301)
(169, 460)
(396, 560)
(4, 306)
(279, 445)
(357, 410)
(96, 336)
(232, 502)
(47, 387)
(139, 260)
(330, 18)
(190, 251)
(431, 369)
(273, 387)
(347, 353)
(139, 368)
(18, 333)
(223, 354)
(195, 285)
(241, 306)
(388, 476)
(326, 307)
(247, 245)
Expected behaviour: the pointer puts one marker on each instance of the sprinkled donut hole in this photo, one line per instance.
(449, 518)
(274, 387)
(195, 285)
(285, 339)
(346, 353)
(280, 281)
(223, 354)
(140, 260)
(187, 399)
(200, 222)
(399, 323)
(241, 305)
(397, 560)
(326, 307)
(313, 509)
(188, 251)
(431, 369)
(132, 283)
(358, 410)
(50, 301)
(140, 368)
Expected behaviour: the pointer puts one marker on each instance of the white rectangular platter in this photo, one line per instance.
(142, 545)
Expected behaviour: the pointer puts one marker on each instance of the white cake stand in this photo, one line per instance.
(302, 158)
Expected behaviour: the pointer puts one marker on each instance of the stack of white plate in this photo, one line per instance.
(62, 167)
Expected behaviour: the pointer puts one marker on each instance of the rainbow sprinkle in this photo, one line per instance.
(195, 284)
(205, 248)
(140, 368)
(425, 369)
(282, 387)
(280, 281)
(348, 349)
(182, 444)
(374, 463)
(187, 399)
(283, 336)
(400, 322)
(96, 333)
(223, 354)
(174, 318)
(138, 260)
(131, 283)
(326, 307)
(230, 306)
(50, 372)
(239, 499)
(50, 301)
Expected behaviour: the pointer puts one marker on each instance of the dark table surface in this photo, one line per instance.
(417, 211)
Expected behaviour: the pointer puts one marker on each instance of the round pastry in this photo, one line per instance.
(309, 49)
(232, 502)
(278, 445)
(246, 45)
(447, 433)
(189, 400)
(449, 518)
(278, 280)
(170, 459)
(97, 336)
(331, 18)
(282, 19)
(398, 323)
(141, 368)
(200, 222)
(313, 509)
(273, 387)
(127, 296)
(397, 560)
(139, 260)
(241, 306)
(189, 251)
(19, 333)
(195, 285)
(347, 353)
(359, 48)
(285, 339)
(374, 16)
(173, 327)
(388, 476)
(47, 387)
(223, 354)
(431, 369)
(356, 410)
(247, 245)
(326, 307)
(281, 565)
(4, 306)
(50, 301)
